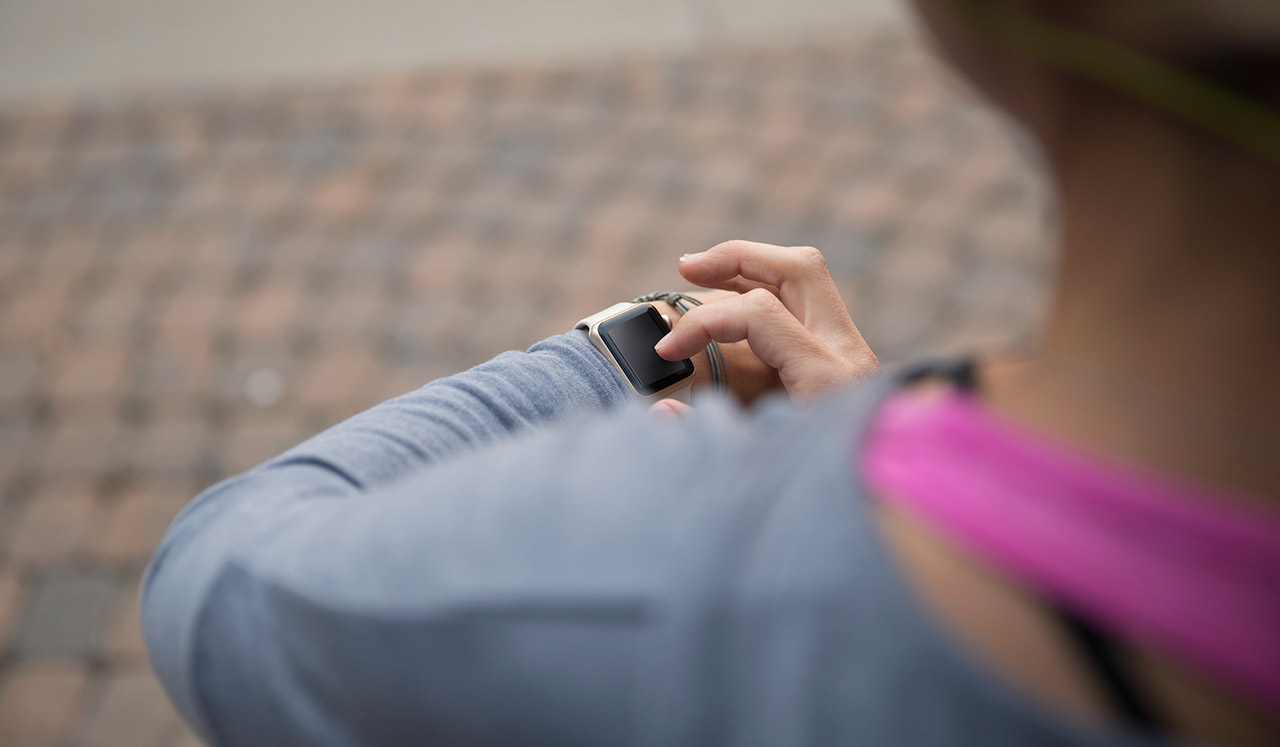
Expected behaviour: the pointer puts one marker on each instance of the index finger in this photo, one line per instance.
(775, 336)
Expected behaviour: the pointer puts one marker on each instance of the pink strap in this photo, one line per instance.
(1191, 570)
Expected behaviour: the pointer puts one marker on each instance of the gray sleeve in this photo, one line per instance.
(517, 595)
(379, 568)
(555, 380)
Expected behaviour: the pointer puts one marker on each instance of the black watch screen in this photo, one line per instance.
(631, 336)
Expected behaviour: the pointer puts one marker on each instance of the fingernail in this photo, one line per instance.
(660, 344)
(683, 257)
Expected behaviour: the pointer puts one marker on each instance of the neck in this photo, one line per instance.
(1163, 337)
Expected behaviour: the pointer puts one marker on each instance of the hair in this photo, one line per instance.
(1198, 61)
(1232, 43)
(1254, 73)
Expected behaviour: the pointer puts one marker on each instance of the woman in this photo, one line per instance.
(1080, 547)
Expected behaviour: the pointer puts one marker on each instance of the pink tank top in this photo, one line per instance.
(1188, 569)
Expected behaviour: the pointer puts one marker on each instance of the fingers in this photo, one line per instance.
(758, 317)
(797, 275)
(671, 408)
(784, 303)
(763, 263)
(738, 285)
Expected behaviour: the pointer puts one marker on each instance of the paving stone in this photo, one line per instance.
(402, 380)
(338, 379)
(10, 605)
(109, 317)
(20, 373)
(17, 444)
(40, 703)
(353, 311)
(342, 196)
(13, 267)
(151, 250)
(268, 312)
(96, 370)
(192, 313)
(132, 710)
(66, 614)
(53, 524)
(253, 439)
(79, 449)
(36, 314)
(176, 372)
(171, 444)
(187, 738)
(242, 376)
(433, 271)
(137, 520)
(123, 642)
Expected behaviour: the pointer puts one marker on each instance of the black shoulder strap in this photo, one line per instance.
(959, 372)
(1097, 648)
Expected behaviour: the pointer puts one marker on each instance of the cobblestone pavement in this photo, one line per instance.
(189, 285)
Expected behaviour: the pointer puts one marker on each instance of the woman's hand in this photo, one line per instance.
(786, 307)
(749, 377)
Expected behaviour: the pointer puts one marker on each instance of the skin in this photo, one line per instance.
(750, 377)
(1160, 350)
(779, 318)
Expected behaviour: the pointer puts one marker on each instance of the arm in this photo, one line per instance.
(522, 594)
(459, 597)
(557, 378)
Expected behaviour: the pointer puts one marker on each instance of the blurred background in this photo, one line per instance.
(225, 226)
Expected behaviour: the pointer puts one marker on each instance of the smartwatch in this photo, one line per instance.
(625, 333)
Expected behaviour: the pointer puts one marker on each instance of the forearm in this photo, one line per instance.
(556, 379)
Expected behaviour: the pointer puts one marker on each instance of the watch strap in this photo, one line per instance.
(600, 316)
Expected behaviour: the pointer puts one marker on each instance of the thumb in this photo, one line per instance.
(670, 408)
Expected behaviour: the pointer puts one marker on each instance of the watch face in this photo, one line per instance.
(631, 336)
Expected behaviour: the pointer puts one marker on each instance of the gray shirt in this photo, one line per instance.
(492, 560)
